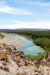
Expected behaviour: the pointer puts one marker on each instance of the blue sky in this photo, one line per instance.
(16, 14)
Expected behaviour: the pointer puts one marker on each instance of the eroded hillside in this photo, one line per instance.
(14, 62)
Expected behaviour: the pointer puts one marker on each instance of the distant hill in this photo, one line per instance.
(23, 29)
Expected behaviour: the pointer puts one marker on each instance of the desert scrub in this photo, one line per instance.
(8, 48)
(1, 36)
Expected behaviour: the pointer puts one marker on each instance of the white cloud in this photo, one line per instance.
(41, 4)
(16, 11)
(37, 24)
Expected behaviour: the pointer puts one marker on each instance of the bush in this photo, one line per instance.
(43, 42)
(35, 57)
(1, 36)
(8, 49)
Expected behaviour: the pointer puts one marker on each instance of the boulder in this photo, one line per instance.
(20, 72)
(3, 56)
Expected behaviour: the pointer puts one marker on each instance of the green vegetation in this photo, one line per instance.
(1, 36)
(38, 56)
(43, 42)
(8, 49)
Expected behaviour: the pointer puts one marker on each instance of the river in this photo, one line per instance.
(23, 44)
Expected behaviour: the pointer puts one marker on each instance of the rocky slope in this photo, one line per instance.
(14, 62)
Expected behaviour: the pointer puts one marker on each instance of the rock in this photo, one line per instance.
(1, 67)
(36, 73)
(20, 72)
(6, 68)
(17, 59)
(15, 63)
(4, 63)
(48, 59)
(37, 63)
(3, 56)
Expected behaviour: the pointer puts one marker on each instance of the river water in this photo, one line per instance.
(23, 44)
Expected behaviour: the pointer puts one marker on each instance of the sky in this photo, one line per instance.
(17, 14)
